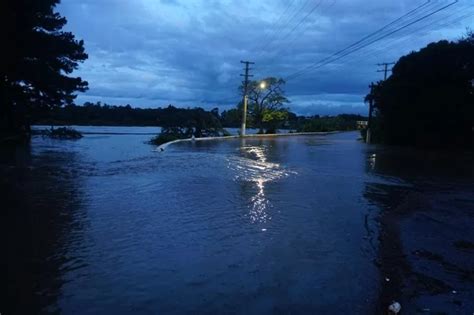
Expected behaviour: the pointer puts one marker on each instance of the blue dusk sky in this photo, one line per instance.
(151, 53)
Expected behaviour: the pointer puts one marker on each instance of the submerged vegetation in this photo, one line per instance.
(190, 122)
(182, 123)
(63, 133)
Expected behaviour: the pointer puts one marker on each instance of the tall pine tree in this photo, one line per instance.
(38, 57)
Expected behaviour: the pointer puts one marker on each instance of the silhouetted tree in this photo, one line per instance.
(429, 98)
(266, 105)
(232, 117)
(37, 59)
(330, 123)
(99, 114)
(179, 123)
(188, 122)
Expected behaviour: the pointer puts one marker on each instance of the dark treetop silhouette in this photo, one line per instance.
(429, 99)
(38, 58)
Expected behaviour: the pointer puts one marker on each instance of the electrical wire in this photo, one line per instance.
(336, 56)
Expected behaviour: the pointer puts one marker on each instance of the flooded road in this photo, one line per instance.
(106, 224)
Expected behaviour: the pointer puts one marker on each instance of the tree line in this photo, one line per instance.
(182, 119)
(428, 100)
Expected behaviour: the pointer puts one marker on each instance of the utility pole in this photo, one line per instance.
(371, 109)
(245, 100)
(385, 68)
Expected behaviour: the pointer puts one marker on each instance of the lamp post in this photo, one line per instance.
(244, 117)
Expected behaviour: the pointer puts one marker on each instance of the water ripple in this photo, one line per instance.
(252, 165)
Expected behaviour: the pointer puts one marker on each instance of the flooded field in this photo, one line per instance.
(107, 224)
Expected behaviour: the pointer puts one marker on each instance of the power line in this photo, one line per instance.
(422, 7)
(360, 43)
(275, 33)
(449, 20)
(453, 18)
(380, 30)
(287, 44)
(328, 60)
(265, 38)
(386, 26)
(303, 19)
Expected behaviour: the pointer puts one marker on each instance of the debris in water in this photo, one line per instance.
(394, 308)
(387, 279)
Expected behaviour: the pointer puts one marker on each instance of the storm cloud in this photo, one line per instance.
(152, 53)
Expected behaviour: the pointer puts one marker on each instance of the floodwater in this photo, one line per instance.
(122, 130)
(106, 224)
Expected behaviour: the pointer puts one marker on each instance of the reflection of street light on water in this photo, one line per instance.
(259, 203)
(254, 169)
(260, 172)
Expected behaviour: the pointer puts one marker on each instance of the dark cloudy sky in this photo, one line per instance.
(151, 53)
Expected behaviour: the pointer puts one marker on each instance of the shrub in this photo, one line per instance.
(165, 137)
(65, 133)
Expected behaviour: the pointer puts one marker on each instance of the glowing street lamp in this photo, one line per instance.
(263, 85)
